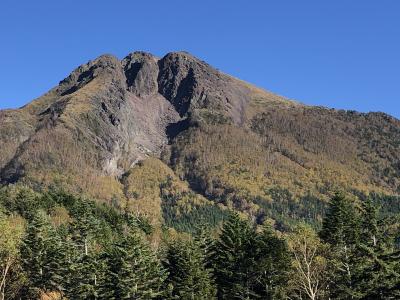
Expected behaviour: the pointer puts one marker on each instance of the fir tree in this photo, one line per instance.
(133, 271)
(363, 253)
(205, 241)
(86, 268)
(341, 230)
(189, 277)
(41, 256)
(377, 265)
(84, 228)
(272, 265)
(341, 224)
(85, 277)
(233, 262)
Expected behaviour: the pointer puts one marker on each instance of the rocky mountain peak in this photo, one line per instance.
(191, 84)
(216, 130)
(141, 71)
(105, 65)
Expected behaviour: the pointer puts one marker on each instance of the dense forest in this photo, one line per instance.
(54, 245)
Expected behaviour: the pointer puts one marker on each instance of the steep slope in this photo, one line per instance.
(235, 144)
(89, 125)
(290, 153)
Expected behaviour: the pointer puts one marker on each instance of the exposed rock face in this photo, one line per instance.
(141, 71)
(191, 84)
(105, 65)
(109, 114)
(121, 109)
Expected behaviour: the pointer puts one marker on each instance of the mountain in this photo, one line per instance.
(160, 136)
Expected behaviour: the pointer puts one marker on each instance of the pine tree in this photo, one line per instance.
(84, 228)
(189, 277)
(390, 285)
(250, 264)
(41, 256)
(272, 265)
(370, 229)
(86, 269)
(341, 230)
(364, 260)
(377, 265)
(204, 239)
(233, 262)
(133, 271)
(85, 277)
(341, 224)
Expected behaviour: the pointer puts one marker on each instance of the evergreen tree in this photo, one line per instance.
(84, 228)
(364, 259)
(390, 285)
(40, 254)
(85, 277)
(86, 268)
(204, 239)
(341, 224)
(272, 265)
(370, 227)
(20, 200)
(189, 277)
(233, 262)
(377, 265)
(250, 264)
(341, 230)
(133, 271)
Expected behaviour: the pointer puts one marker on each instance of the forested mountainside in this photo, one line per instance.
(164, 178)
(119, 131)
(54, 245)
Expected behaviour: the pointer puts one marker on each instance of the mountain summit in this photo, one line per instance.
(115, 128)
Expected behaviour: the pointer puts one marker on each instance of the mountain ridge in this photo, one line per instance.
(230, 141)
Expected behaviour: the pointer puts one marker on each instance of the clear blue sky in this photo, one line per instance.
(342, 53)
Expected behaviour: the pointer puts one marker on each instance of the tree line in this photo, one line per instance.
(59, 246)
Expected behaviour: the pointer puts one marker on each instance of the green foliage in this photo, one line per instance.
(76, 249)
(288, 211)
(11, 231)
(189, 277)
(341, 226)
(40, 254)
(388, 205)
(68, 258)
(184, 212)
(364, 259)
(211, 215)
(247, 264)
(341, 229)
(272, 265)
(22, 201)
(86, 273)
(376, 263)
(232, 264)
(133, 271)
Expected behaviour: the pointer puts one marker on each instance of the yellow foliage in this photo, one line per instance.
(143, 189)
